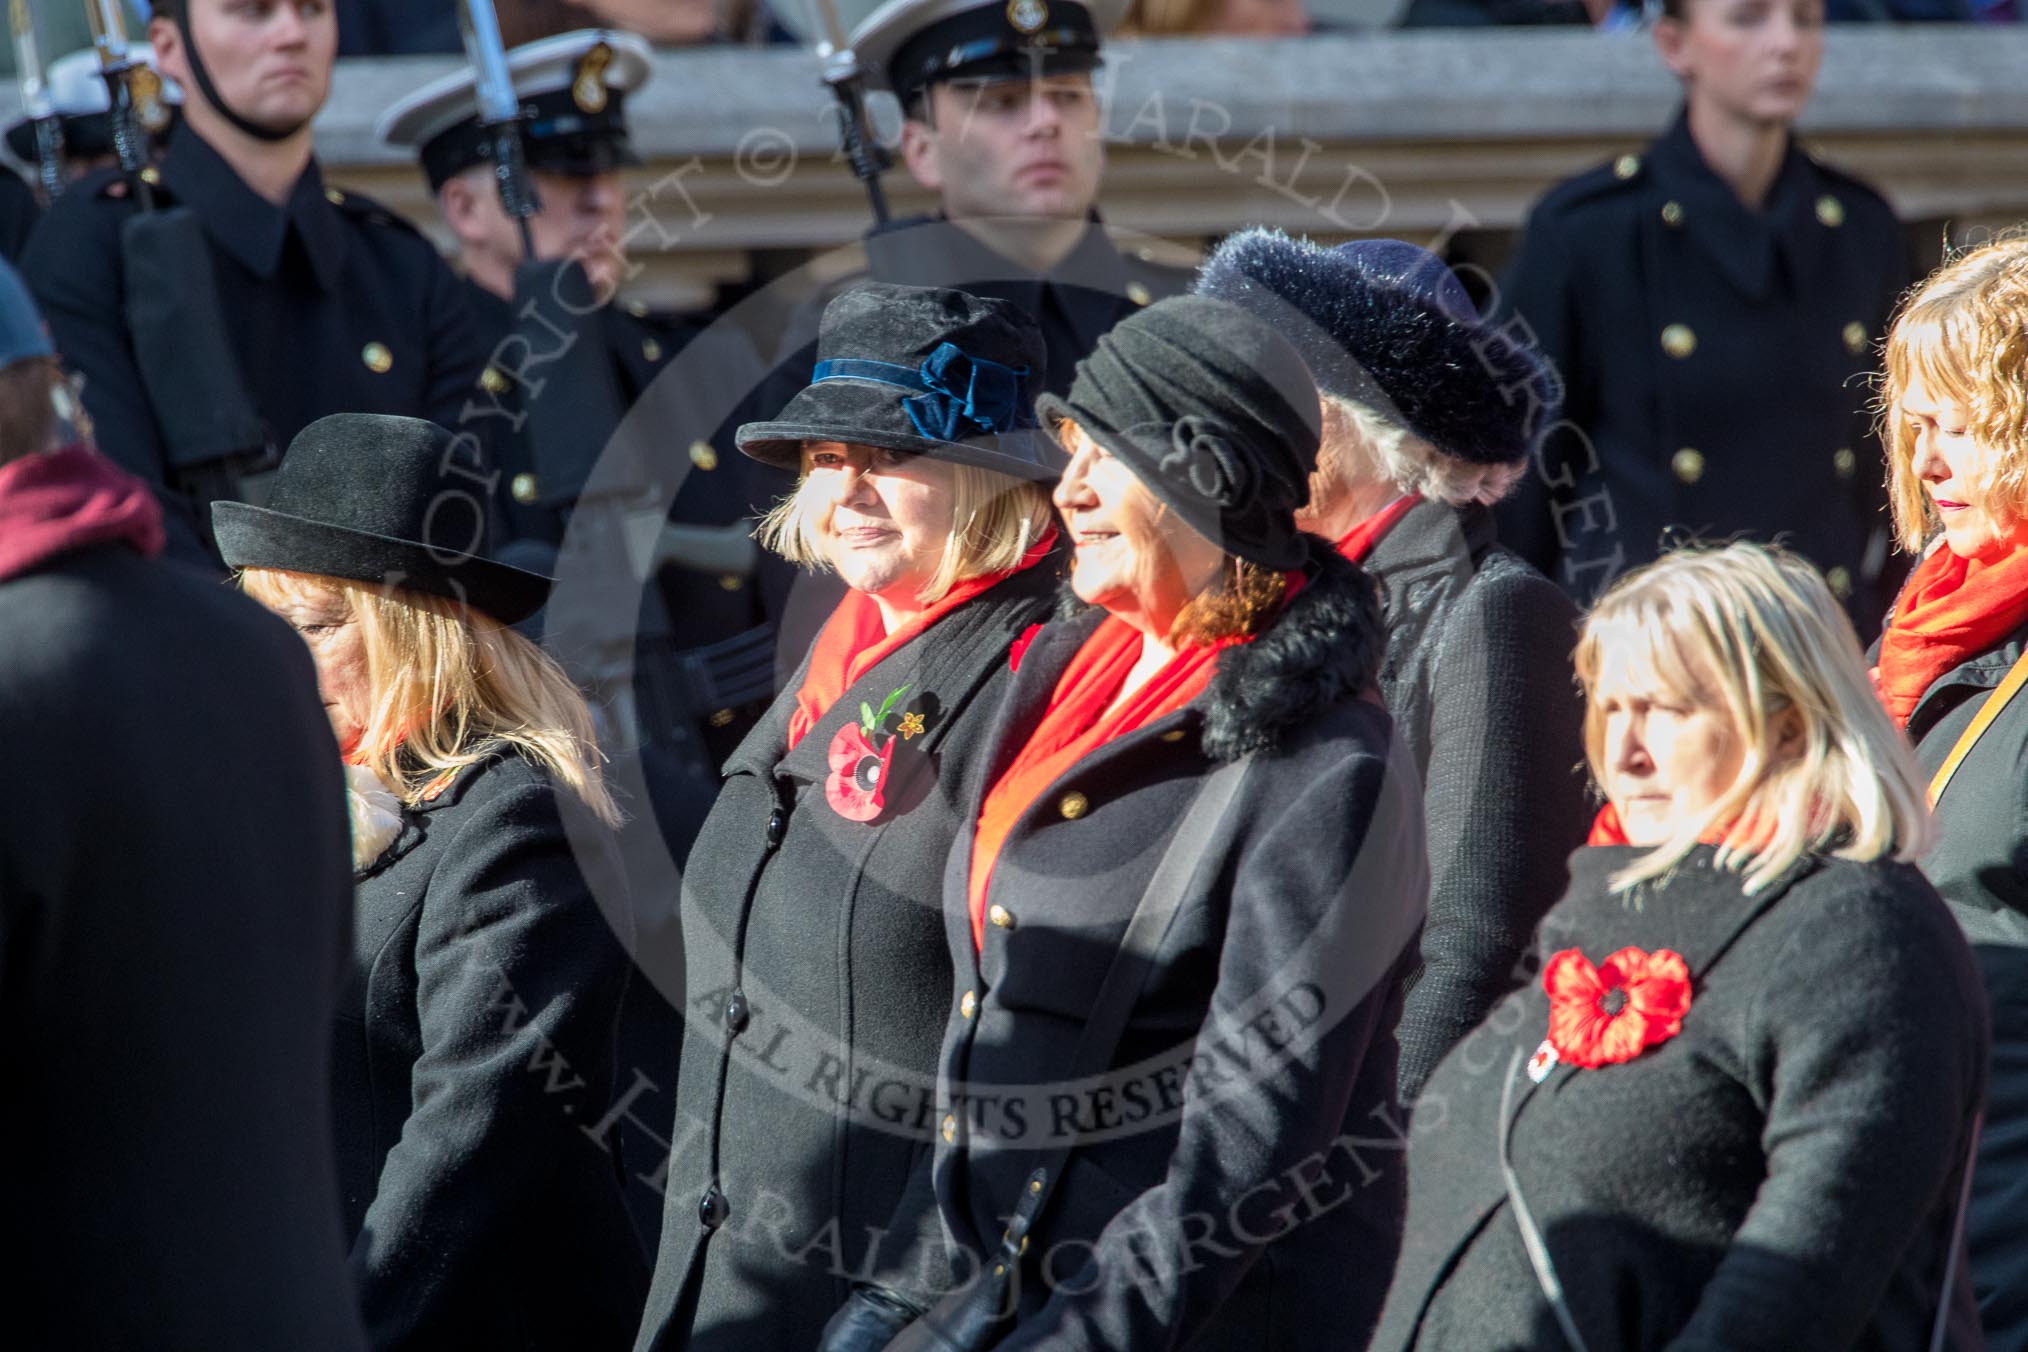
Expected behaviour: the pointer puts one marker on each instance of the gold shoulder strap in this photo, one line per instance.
(1990, 710)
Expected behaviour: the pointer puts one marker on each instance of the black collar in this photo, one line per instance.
(936, 251)
(245, 224)
(1749, 247)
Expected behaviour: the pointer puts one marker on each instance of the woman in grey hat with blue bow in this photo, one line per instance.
(1181, 901)
(817, 972)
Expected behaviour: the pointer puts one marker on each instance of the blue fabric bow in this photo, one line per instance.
(960, 395)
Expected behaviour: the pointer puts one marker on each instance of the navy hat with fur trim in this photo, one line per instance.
(1386, 325)
(382, 499)
(919, 369)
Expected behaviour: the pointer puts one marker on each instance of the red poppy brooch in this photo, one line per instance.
(862, 754)
(1612, 1012)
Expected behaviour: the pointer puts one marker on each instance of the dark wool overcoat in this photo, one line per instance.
(1477, 676)
(174, 913)
(333, 304)
(1712, 360)
(473, 1045)
(1780, 1175)
(1238, 1185)
(817, 983)
(1980, 865)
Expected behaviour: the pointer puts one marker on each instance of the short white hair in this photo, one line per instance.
(1388, 451)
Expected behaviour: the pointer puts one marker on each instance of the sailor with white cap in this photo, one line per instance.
(1003, 125)
(81, 102)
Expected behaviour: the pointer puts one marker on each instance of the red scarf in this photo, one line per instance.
(1607, 829)
(1080, 718)
(1358, 542)
(855, 639)
(54, 502)
(1951, 611)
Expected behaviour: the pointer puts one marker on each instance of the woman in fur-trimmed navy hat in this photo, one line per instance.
(1429, 418)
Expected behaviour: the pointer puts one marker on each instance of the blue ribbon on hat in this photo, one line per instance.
(960, 395)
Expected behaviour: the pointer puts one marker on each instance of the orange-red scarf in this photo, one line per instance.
(855, 639)
(1081, 717)
(1607, 829)
(1952, 610)
(1358, 542)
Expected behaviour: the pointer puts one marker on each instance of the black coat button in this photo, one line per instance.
(778, 825)
(713, 1208)
(737, 1012)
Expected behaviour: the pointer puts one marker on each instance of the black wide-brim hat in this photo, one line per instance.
(1386, 325)
(922, 370)
(370, 497)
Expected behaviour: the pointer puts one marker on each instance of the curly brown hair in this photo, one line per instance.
(1964, 334)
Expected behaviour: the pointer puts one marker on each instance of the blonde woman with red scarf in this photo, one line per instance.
(474, 1034)
(1176, 990)
(813, 936)
(1951, 665)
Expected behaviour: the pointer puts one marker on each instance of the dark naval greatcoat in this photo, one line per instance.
(1713, 361)
(333, 304)
(818, 981)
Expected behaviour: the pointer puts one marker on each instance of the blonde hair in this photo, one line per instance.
(1755, 631)
(1362, 443)
(450, 687)
(1964, 334)
(995, 520)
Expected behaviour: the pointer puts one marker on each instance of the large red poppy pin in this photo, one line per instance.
(862, 754)
(1614, 1011)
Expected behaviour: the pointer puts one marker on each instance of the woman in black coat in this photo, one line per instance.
(475, 1034)
(813, 939)
(1231, 1170)
(1429, 418)
(1711, 305)
(1951, 669)
(1738, 1108)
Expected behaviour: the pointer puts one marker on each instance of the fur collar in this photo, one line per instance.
(376, 816)
(1325, 646)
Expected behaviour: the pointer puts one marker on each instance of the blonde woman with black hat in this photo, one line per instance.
(476, 1035)
(814, 943)
(1182, 901)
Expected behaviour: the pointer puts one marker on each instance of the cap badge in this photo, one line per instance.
(150, 109)
(1027, 16)
(588, 89)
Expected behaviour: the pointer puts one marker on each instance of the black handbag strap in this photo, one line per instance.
(1126, 976)
(1552, 1287)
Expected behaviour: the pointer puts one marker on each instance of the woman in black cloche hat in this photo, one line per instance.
(1182, 898)
(813, 933)
(477, 1037)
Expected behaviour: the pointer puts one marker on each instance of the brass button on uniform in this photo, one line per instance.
(1840, 579)
(1073, 805)
(494, 381)
(1688, 464)
(152, 176)
(1138, 293)
(1672, 213)
(703, 456)
(378, 358)
(334, 197)
(524, 489)
(1830, 211)
(723, 718)
(638, 309)
(731, 581)
(1626, 166)
(651, 349)
(1173, 735)
(969, 1005)
(1845, 462)
(1855, 337)
(1679, 341)
(1001, 917)
(950, 1129)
